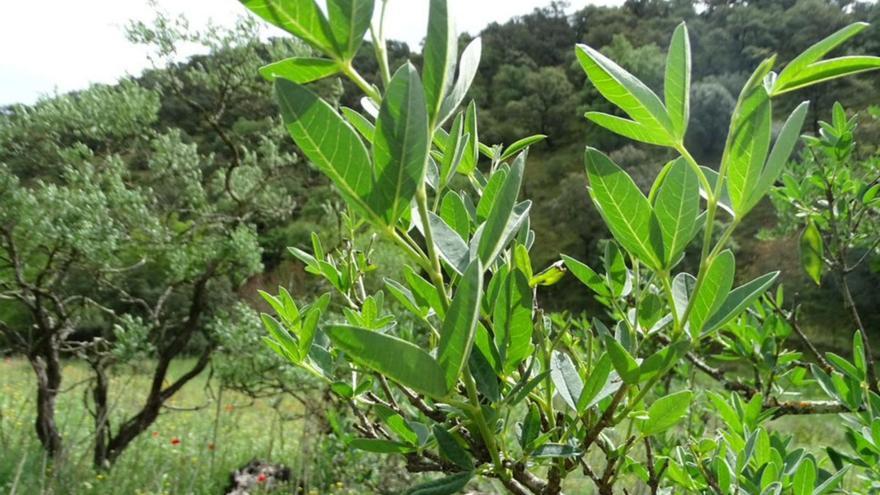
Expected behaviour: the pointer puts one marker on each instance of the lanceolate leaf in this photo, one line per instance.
(471, 153)
(446, 485)
(459, 325)
(493, 234)
(439, 57)
(449, 244)
(739, 299)
(813, 54)
(301, 18)
(666, 412)
(625, 209)
(621, 88)
(400, 145)
(677, 85)
(713, 290)
(748, 151)
(676, 207)
(467, 70)
(565, 377)
(328, 142)
(300, 70)
(827, 70)
(630, 129)
(623, 362)
(812, 252)
(455, 214)
(359, 122)
(398, 359)
(596, 382)
(512, 319)
(349, 21)
(521, 145)
(586, 275)
(780, 153)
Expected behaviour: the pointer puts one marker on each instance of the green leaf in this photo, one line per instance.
(665, 412)
(423, 291)
(780, 153)
(792, 73)
(441, 48)
(459, 325)
(380, 446)
(454, 150)
(586, 275)
(677, 84)
(467, 70)
(359, 122)
(396, 424)
(300, 70)
(804, 478)
(531, 427)
(812, 252)
(471, 153)
(827, 70)
(455, 214)
(301, 18)
(625, 209)
(622, 89)
(676, 208)
(446, 485)
(623, 362)
(398, 359)
(747, 149)
(565, 377)
(512, 319)
(494, 230)
(630, 129)
(328, 142)
(831, 482)
(496, 180)
(400, 146)
(452, 248)
(739, 299)
(451, 449)
(713, 290)
(521, 145)
(349, 21)
(596, 382)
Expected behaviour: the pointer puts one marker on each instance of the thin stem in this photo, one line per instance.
(380, 47)
(866, 341)
(361, 83)
(436, 272)
(485, 432)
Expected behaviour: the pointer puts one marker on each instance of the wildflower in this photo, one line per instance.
(155, 434)
(175, 441)
(261, 478)
(229, 408)
(211, 446)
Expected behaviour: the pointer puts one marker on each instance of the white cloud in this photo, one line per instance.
(59, 45)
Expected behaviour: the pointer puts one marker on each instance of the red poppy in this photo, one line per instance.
(261, 478)
(175, 441)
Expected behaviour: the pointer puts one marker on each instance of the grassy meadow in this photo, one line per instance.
(192, 448)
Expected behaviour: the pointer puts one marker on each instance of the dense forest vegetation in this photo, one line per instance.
(139, 220)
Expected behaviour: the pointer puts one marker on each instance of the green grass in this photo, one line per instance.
(155, 463)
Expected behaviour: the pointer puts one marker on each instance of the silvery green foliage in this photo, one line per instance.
(486, 385)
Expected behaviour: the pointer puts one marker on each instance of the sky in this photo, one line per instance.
(51, 46)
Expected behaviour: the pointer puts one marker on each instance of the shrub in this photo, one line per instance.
(481, 382)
